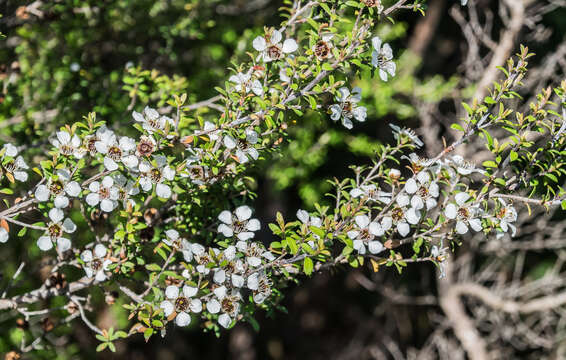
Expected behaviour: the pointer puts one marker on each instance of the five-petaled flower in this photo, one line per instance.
(238, 223)
(104, 193)
(180, 303)
(382, 58)
(96, 262)
(348, 107)
(270, 46)
(364, 233)
(465, 213)
(58, 226)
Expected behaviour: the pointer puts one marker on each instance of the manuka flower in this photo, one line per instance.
(244, 148)
(401, 216)
(322, 49)
(364, 233)
(55, 231)
(95, 262)
(68, 145)
(270, 46)
(260, 286)
(348, 108)
(244, 83)
(401, 134)
(382, 57)
(116, 150)
(151, 121)
(179, 303)
(239, 223)
(424, 191)
(466, 214)
(156, 173)
(506, 215)
(104, 193)
(61, 186)
(13, 165)
(370, 192)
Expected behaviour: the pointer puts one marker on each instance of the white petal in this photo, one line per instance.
(213, 306)
(163, 191)
(107, 205)
(171, 292)
(224, 320)
(69, 226)
(238, 281)
(376, 43)
(413, 216)
(254, 261)
(110, 164)
(243, 212)
(100, 251)
(100, 275)
(73, 189)
(3, 235)
(253, 281)
(220, 292)
(225, 216)
(63, 244)
(461, 198)
(44, 243)
(196, 306)
(253, 225)
(411, 186)
(451, 211)
(56, 215)
(375, 247)
(61, 201)
(259, 43)
(461, 228)
(353, 234)
(417, 202)
(189, 291)
(167, 307)
(229, 142)
(303, 215)
(289, 46)
(219, 276)
(86, 256)
(403, 200)
(225, 230)
(42, 193)
(130, 161)
(92, 199)
(356, 192)
(362, 221)
(386, 223)
(183, 319)
(376, 229)
(403, 228)
(475, 224)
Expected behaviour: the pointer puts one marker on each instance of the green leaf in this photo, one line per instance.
(153, 267)
(513, 155)
(101, 347)
(292, 244)
(308, 265)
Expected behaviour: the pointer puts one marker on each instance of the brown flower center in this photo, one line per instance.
(463, 213)
(155, 175)
(115, 153)
(55, 231)
(145, 147)
(104, 192)
(321, 49)
(397, 214)
(56, 188)
(96, 264)
(181, 304)
(274, 52)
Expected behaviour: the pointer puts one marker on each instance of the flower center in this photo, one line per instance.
(347, 106)
(229, 304)
(56, 188)
(423, 192)
(55, 231)
(115, 153)
(11, 166)
(104, 192)
(371, 3)
(321, 49)
(397, 214)
(145, 148)
(274, 52)
(155, 175)
(239, 226)
(96, 264)
(181, 304)
(463, 213)
(66, 149)
(364, 234)
(90, 145)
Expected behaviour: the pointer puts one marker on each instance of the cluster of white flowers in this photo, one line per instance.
(13, 165)
(347, 107)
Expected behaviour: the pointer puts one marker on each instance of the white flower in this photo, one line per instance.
(464, 2)
(244, 83)
(364, 233)
(104, 193)
(146, 146)
(322, 49)
(439, 255)
(3, 235)
(401, 134)
(116, 150)
(463, 167)
(60, 187)
(348, 108)
(151, 120)
(401, 216)
(13, 164)
(180, 303)
(68, 145)
(156, 174)
(55, 231)
(244, 148)
(96, 264)
(260, 286)
(464, 213)
(126, 189)
(371, 193)
(270, 46)
(239, 222)
(423, 190)
(506, 216)
(382, 57)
